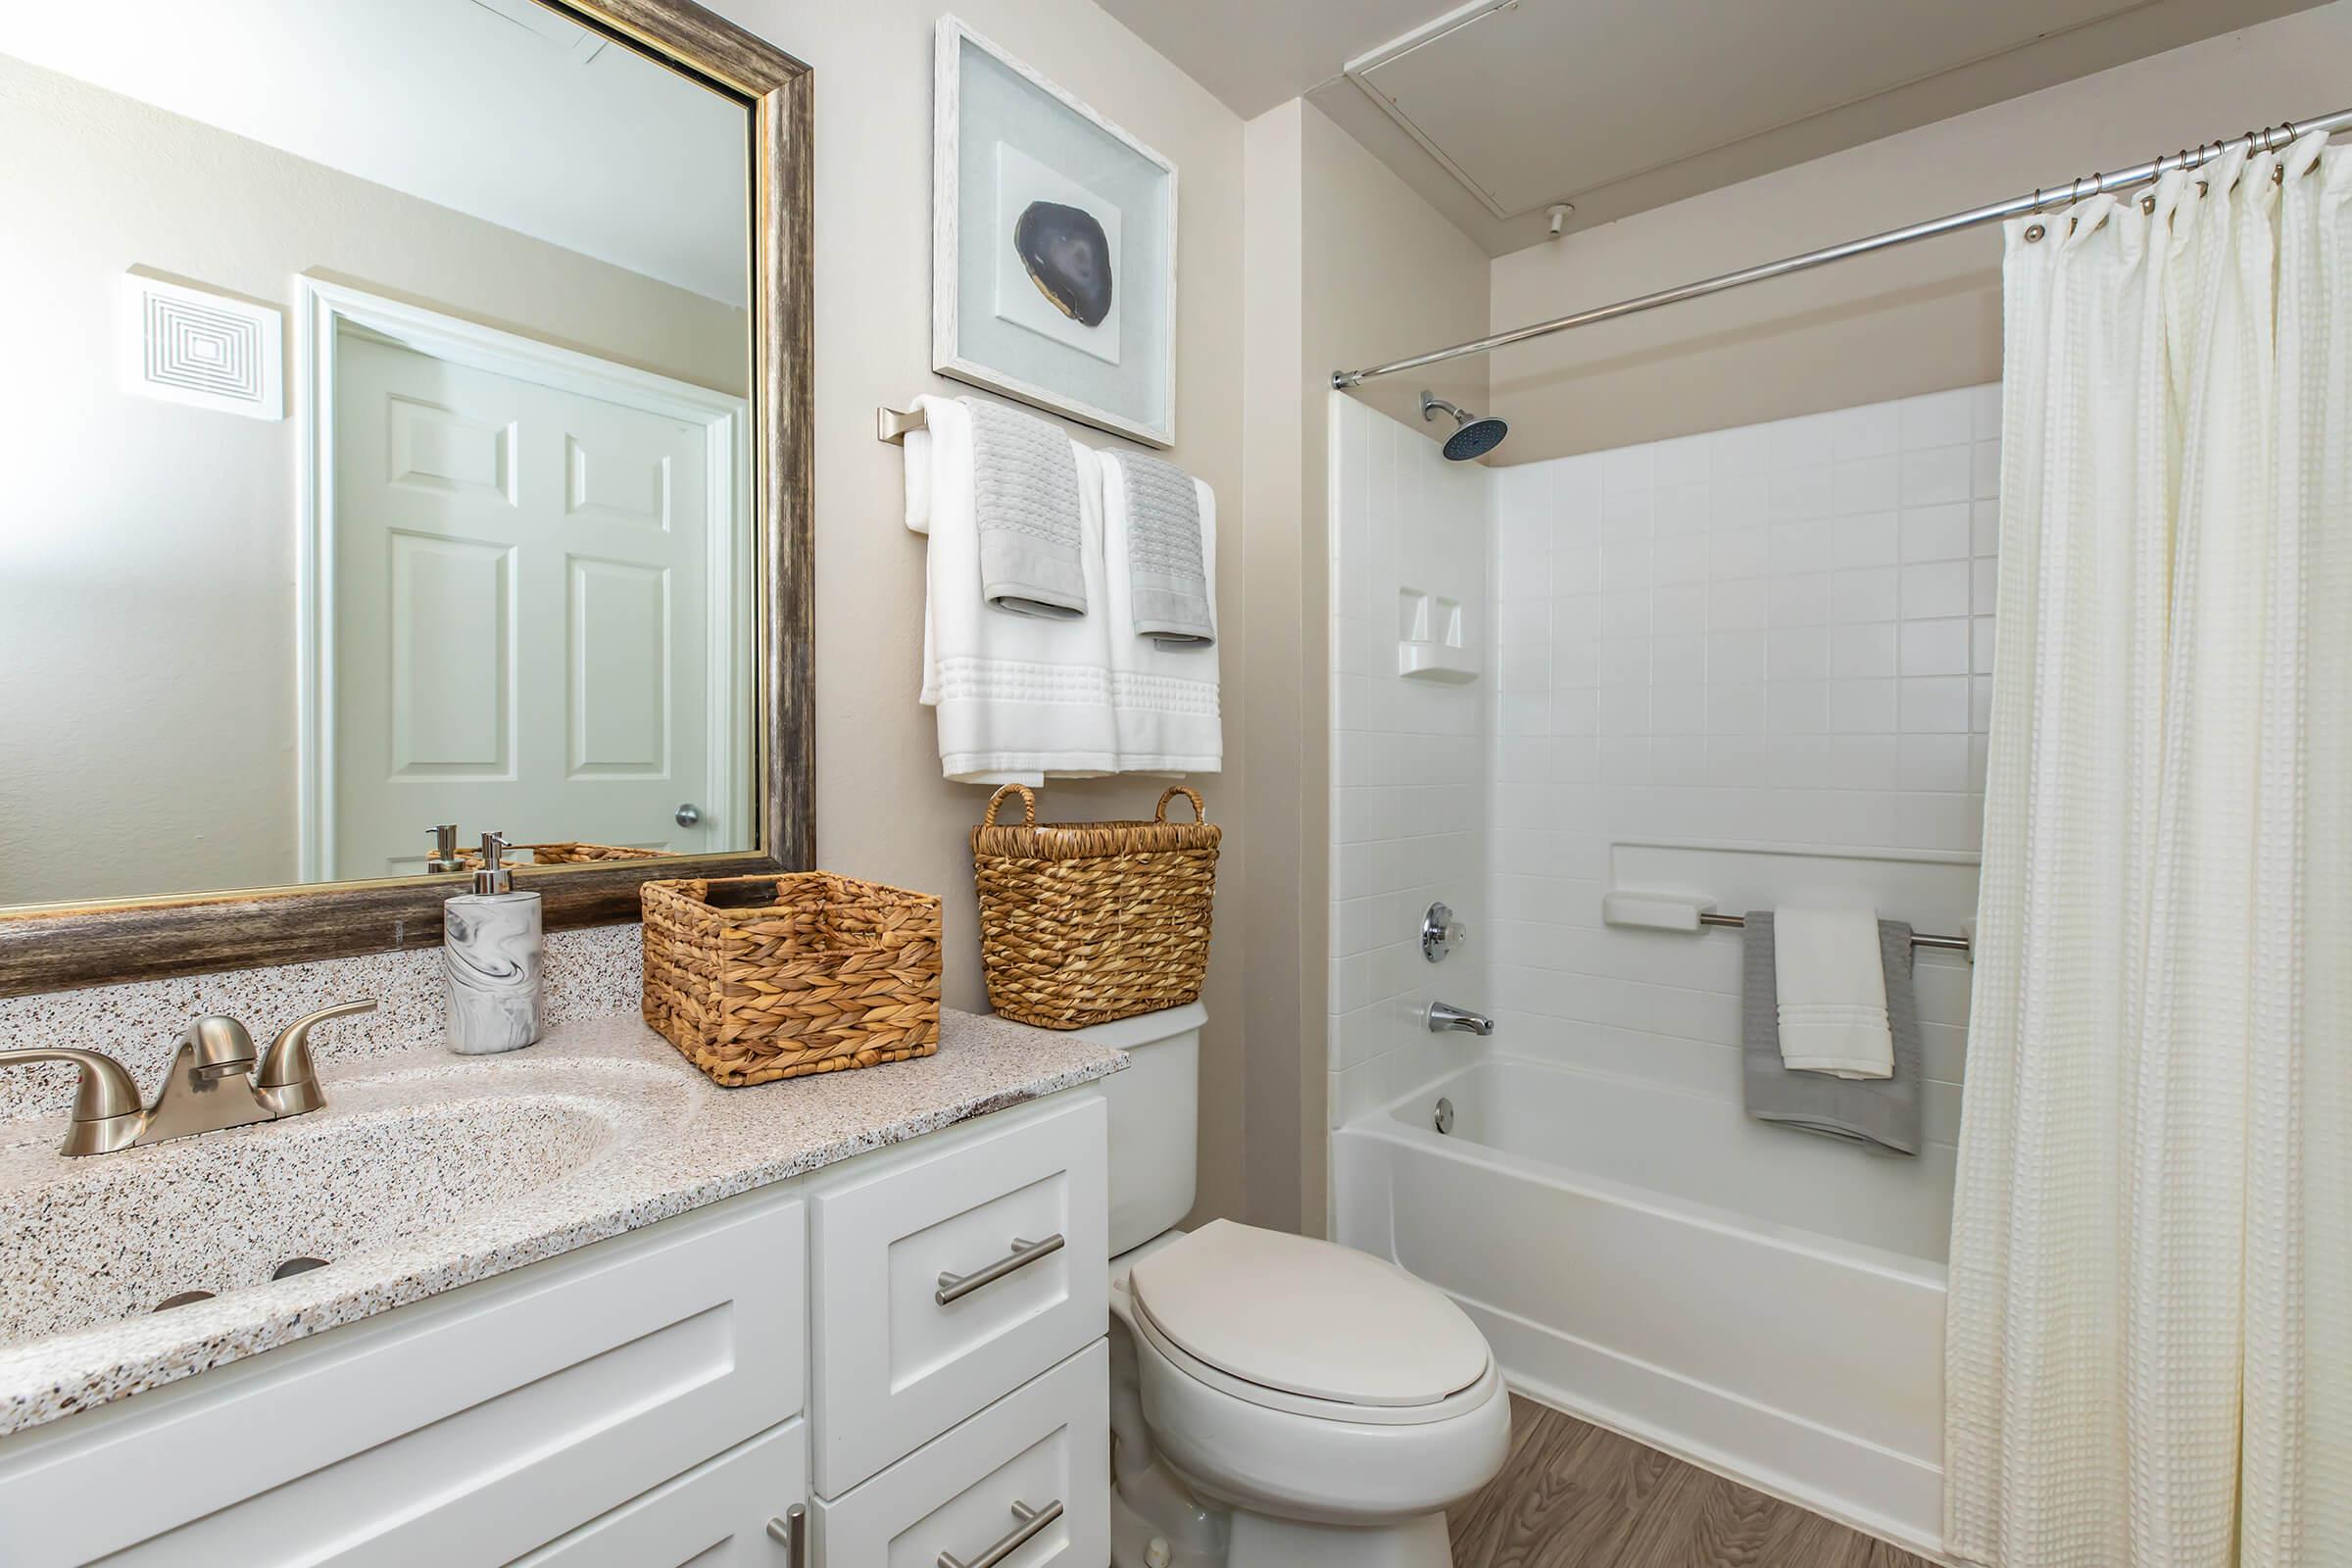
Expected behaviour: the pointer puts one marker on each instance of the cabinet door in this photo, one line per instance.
(713, 1516)
(1037, 1461)
(458, 1433)
(895, 1365)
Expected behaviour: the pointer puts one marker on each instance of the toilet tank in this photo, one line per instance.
(1155, 1119)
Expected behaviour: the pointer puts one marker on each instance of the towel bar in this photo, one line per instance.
(1919, 939)
(892, 425)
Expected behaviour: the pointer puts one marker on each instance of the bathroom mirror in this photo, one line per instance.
(407, 429)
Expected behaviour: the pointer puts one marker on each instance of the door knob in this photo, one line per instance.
(689, 814)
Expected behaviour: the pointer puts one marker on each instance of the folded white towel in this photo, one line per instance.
(1833, 993)
(1018, 696)
(1163, 694)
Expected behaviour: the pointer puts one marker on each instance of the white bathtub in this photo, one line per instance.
(1760, 1301)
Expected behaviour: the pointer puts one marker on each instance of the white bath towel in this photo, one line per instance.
(1018, 696)
(1833, 993)
(1163, 693)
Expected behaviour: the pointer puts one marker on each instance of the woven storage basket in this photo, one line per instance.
(1083, 922)
(755, 978)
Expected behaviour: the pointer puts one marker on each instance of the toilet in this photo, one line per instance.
(1277, 1402)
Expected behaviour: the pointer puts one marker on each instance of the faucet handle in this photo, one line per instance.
(287, 1062)
(107, 1114)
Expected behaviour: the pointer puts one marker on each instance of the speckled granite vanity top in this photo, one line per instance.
(426, 1171)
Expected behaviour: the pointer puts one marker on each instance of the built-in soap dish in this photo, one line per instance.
(1431, 639)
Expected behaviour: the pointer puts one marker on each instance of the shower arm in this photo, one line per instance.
(2270, 140)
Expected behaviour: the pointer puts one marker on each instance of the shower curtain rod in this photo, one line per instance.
(2266, 140)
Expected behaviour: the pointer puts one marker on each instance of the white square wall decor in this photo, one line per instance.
(188, 345)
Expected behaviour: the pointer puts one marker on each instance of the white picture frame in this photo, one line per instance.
(1016, 321)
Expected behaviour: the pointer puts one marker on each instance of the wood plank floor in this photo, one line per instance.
(1574, 1495)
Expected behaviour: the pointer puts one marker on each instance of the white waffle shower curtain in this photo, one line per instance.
(2148, 1359)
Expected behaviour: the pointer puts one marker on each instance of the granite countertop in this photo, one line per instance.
(598, 1130)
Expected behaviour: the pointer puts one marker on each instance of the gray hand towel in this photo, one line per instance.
(1881, 1112)
(1168, 583)
(1025, 501)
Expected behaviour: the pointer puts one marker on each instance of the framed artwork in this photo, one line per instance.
(1053, 247)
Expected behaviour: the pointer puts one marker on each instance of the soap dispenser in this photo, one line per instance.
(491, 954)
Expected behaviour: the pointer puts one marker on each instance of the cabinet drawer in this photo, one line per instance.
(966, 1492)
(895, 1366)
(713, 1516)
(460, 1432)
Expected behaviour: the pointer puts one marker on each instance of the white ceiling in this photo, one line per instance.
(500, 109)
(1496, 108)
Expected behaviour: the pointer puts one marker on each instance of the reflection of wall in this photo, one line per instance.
(146, 548)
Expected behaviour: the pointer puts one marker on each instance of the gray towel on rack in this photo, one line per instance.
(1025, 502)
(1879, 1113)
(1168, 582)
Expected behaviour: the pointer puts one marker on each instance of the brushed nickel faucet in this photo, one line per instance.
(214, 1083)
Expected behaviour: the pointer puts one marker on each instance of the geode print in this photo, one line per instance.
(1068, 257)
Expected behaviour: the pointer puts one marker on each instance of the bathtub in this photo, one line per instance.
(1762, 1302)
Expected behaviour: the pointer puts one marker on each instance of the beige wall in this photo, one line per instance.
(1348, 265)
(883, 811)
(147, 548)
(1921, 318)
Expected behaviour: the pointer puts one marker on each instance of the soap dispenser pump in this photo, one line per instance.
(492, 951)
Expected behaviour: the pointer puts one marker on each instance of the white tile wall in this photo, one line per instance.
(1408, 757)
(1775, 636)
(1778, 635)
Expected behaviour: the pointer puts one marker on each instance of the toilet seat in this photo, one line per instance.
(1305, 1327)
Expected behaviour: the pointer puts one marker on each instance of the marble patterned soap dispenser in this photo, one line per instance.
(492, 951)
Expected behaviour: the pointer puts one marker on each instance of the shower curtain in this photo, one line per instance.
(2148, 1355)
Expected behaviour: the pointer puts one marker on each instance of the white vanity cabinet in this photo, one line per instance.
(648, 1400)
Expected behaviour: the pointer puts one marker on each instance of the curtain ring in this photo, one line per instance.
(2147, 203)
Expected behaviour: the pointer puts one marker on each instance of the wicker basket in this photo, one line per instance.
(1083, 922)
(755, 978)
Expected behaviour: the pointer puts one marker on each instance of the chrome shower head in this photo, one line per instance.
(1473, 437)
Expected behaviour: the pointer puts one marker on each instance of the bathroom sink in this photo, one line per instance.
(112, 1237)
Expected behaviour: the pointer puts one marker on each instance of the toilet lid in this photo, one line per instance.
(1309, 1317)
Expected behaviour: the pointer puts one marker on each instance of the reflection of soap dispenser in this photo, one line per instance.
(490, 957)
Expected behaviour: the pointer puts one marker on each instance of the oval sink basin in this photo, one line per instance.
(98, 1239)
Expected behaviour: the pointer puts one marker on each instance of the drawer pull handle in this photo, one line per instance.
(955, 1287)
(1032, 1522)
(792, 1533)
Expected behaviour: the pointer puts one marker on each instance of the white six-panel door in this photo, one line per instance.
(520, 618)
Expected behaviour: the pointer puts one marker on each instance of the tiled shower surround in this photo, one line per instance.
(1775, 639)
(1409, 764)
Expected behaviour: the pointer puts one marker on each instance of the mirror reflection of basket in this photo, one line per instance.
(755, 978)
(565, 854)
(1083, 922)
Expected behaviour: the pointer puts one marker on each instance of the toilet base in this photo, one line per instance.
(1258, 1541)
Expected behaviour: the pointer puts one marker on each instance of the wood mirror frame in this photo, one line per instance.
(59, 946)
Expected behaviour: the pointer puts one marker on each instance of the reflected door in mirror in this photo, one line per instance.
(521, 624)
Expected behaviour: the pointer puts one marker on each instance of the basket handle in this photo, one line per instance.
(1028, 805)
(1199, 812)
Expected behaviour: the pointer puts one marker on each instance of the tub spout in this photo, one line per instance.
(1442, 1016)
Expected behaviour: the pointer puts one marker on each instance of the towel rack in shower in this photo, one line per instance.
(1919, 939)
(1682, 912)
